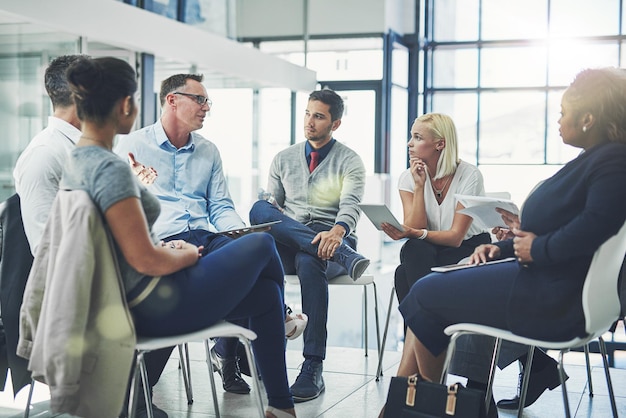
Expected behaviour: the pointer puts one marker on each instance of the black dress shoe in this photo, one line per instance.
(228, 369)
(546, 378)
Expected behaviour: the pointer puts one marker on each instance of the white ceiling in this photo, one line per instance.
(31, 25)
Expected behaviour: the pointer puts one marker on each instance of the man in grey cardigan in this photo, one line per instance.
(314, 188)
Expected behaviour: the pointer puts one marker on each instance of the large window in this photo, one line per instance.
(499, 68)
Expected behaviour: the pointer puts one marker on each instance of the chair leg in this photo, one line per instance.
(376, 318)
(211, 378)
(379, 369)
(589, 383)
(146, 387)
(134, 386)
(183, 352)
(609, 384)
(365, 314)
(30, 398)
(448, 359)
(140, 372)
(563, 387)
(255, 377)
(492, 374)
(525, 379)
(365, 318)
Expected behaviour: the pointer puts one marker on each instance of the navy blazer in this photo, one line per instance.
(572, 213)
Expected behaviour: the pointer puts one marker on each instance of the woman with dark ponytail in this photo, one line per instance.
(189, 291)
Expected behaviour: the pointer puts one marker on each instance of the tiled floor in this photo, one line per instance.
(352, 391)
(351, 387)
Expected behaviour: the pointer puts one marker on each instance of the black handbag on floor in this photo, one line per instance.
(414, 397)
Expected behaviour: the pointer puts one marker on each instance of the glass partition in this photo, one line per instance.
(229, 126)
(455, 67)
(578, 18)
(346, 59)
(513, 19)
(463, 109)
(25, 51)
(454, 20)
(568, 57)
(512, 128)
(274, 129)
(513, 67)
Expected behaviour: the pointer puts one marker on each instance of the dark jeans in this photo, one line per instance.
(237, 280)
(226, 347)
(299, 256)
(479, 295)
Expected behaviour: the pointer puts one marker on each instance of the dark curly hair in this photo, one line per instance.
(601, 92)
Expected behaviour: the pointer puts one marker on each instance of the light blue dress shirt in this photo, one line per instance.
(190, 186)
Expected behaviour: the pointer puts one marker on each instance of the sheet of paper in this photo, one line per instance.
(483, 209)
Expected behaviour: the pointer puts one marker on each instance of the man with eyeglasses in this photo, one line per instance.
(190, 184)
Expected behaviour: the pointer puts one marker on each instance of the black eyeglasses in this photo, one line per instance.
(201, 100)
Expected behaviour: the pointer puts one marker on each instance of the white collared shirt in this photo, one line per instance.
(37, 174)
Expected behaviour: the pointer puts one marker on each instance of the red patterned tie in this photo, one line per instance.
(314, 160)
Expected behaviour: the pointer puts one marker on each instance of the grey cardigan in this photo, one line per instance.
(328, 195)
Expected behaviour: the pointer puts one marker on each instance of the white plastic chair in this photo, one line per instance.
(221, 329)
(601, 307)
(145, 345)
(345, 280)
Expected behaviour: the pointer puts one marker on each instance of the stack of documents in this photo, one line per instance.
(483, 209)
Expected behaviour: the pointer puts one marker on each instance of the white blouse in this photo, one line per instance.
(467, 180)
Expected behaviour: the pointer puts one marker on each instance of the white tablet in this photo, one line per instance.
(379, 214)
(452, 267)
(251, 228)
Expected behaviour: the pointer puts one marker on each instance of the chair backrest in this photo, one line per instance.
(600, 298)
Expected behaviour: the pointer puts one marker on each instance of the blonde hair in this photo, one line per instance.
(442, 128)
